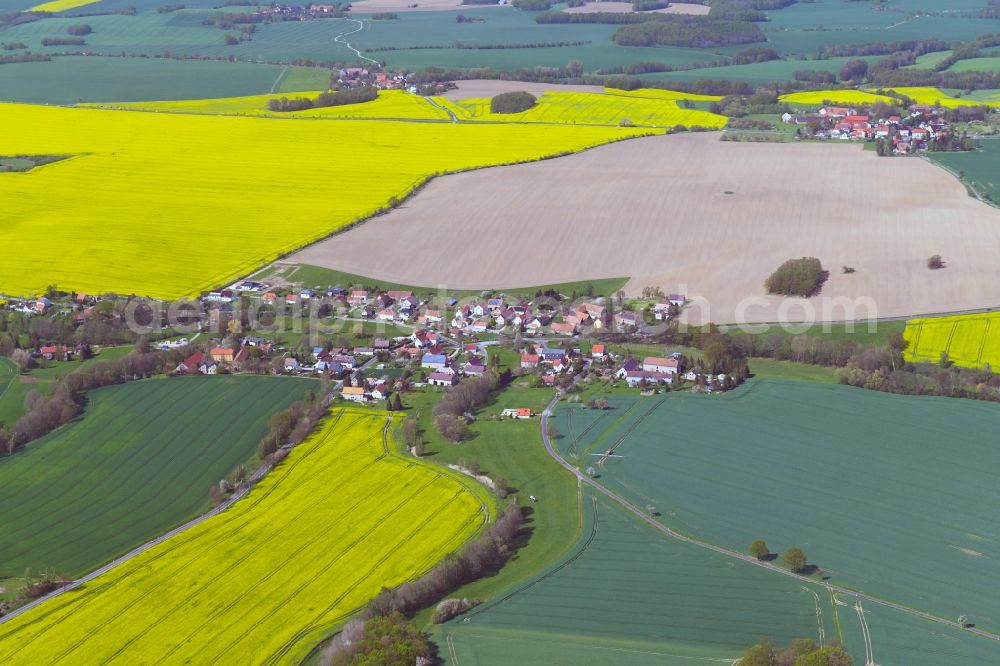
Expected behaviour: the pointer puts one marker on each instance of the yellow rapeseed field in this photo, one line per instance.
(169, 205)
(935, 97)
(658, 93)
(266, 580)
(589, 109)
(390, 104)
(61, 5)
(816, 97)
(969, 340)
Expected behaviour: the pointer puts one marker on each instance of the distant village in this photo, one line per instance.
(900, 135)
(434, 346)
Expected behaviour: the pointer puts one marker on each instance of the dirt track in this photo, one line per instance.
(691, 213)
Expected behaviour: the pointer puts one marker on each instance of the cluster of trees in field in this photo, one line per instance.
(800, 652)
(487, 47)
(532, 5)
(797, 277)
(390, 640)
(649, 5)
(23, 57)
(699, 33)
(336, 98)
(79, 29)
(512, 102)
(463, 399)
(746, 10)
(63, 41)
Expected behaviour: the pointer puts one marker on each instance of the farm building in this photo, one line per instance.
(354, 393)
(434, 361)
(516, 413)
(657, 364)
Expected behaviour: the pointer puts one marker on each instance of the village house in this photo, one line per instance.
(291, 364)
(353, 393)
(442, 379)
(597, 351)
(630, 365)
(474, 370)
(56, 352)
(222, 354)
(563, 328)
(529, 361)
(516, 413)
(358, 297)
(636, 377)
(658, 364)
(627, 320)
(434, 361)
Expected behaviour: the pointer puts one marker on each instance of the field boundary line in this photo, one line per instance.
(641, 515)
(278, 80)
(982, 343)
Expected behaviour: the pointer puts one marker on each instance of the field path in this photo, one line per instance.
(340, 39)
(644, 517)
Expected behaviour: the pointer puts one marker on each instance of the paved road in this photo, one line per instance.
(643, 516)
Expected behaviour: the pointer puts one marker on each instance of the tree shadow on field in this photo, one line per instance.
(770, 557)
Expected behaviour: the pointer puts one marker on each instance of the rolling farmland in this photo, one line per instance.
(151, 180)
(887, 494)
(390, 104)
(139, 462)
(972, 341)
(684, 223)
(980, 168)
(73, 79)
(936, 97)
(593, 109)
(268, 578)
(61, 5)
(627, 595)
(819, 97)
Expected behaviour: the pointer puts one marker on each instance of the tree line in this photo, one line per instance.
(384, 635)
(337, 98)
(66, 398)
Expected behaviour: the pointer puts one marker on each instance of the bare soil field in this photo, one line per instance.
(626, 8)
(693, 214)
(489, 88)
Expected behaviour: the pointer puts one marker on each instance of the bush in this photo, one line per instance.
(450, 608)
(512, 102)
(935, 262)
(797, 277)
(795, 559)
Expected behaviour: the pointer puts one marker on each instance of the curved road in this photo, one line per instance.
(641, 515)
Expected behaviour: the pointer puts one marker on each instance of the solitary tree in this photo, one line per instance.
(795, 559)
(935, 262)
(759, 549)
